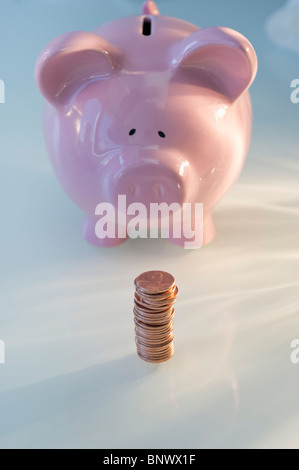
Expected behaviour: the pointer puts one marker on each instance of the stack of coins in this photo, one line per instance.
(155, 294)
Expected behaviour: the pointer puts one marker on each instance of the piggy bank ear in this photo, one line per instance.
(70, 61)
(219, 58)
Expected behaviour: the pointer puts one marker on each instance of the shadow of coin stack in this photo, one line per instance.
(155, 295)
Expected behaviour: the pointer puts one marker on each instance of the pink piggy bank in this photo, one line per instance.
(149, 107)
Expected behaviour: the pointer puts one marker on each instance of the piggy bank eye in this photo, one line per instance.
(161, 134)
(132, 131)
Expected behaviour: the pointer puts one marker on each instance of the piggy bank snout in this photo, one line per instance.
(149, 183)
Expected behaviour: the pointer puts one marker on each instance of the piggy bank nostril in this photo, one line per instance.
(132, 131)
(162, 134)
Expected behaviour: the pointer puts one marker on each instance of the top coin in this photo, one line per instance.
(154, 282)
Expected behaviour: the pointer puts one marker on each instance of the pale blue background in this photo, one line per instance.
(72, 377)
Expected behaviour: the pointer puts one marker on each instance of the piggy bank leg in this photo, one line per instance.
(203, 235)
(89, 233)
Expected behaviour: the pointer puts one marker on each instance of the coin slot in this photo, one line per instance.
(147, 27)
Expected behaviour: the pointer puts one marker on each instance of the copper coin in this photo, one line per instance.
(148, 309)
(153, 331)
(154, 282)
(158, 298)
(154, 350)
(157, 361)
(153, 321)
(151, 307)
(150, 353)
(154, 343)
(161, 337)
(154, 305)
(147, 332)
(153, 314)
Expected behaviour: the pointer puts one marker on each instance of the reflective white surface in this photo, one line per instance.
(72, 377)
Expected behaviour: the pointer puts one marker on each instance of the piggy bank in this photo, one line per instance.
(148, 107)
